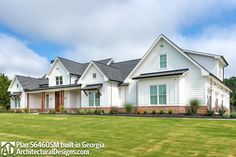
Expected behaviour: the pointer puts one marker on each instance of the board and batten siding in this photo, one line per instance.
(58, 70)
(88, 79)
(191, 85)
(35, 101)
(172, 90)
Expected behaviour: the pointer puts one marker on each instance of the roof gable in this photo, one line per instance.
(28, 83)
(203, 70)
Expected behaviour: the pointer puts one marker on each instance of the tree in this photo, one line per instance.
(231, 83)
(4, 95)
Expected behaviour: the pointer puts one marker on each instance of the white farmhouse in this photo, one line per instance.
(166, 77)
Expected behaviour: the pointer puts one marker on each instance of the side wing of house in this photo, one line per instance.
(18, 96)
(172, 90)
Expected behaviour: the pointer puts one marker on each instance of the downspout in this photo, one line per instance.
(111, 94)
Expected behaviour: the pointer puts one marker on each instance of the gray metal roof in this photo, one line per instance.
(161, 74)
(72, 66)
(29, 83)
(92, 86)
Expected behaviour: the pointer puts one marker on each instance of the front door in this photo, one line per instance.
(57, 101)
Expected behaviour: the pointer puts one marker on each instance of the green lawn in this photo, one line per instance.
(126, 136)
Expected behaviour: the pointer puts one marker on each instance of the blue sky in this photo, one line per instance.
(35, 32)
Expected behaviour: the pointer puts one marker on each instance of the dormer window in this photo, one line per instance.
(59, 80)
(163, 61)
(94, 75)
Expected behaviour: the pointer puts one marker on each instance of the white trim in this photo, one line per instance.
(53, 65)
(204, 72)
(90, 64)
(12, 82)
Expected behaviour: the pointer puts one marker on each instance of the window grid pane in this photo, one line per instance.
(153, 95)
(97, 99)
(91, 99)
(162, 61)
(162, 94)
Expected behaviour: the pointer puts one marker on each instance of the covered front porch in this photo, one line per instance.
(54, 99)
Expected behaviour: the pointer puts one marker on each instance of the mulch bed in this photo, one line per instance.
(149, 115)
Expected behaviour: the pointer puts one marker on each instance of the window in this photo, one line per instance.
(162, 94)
(91, 99)
(17, 102)
(17, 85)
(59, 80)
(208, 100)
(216, 103)
(163, 62)
(158, 94)
(97, 99)
(47, 101)
(94, 75)
(94, 99)
(153, 95)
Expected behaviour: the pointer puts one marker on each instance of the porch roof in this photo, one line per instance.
(92, 86)
(161, 74)
(16, 94)
(54, 87)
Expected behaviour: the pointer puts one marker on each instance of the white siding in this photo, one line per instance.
(58, 70)
(123, 95)
(88, 79)
(217, 92)
(75, 99)
(51, 99)
(35, 101)
(172, 89)
(191, 84)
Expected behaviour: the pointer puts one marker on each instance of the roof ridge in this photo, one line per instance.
(127, 60)
(200, 52)
(106, 65)
(69, 60)
(30, 77)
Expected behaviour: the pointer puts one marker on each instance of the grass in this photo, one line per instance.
(126, 136)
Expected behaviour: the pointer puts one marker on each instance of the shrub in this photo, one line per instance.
(145, 112)
(114, 110)
(170, 111)
(100, 111)
(154, 111)
(128, 107)
(226, 116)
(19, 111)
(233, 115)
(12, 111)
(3, 109)
(194, 105)
(91, 111)
(26, 110)
(161, 111)
(52, 111)
(222, 110)
(82, 111)
(210, 111)
(62, 108)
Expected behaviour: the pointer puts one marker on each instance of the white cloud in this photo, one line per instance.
(216, 40)
(120, 29)
(17, 58)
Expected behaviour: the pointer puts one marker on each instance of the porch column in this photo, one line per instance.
(28, 101)
(62, 98)
(43, 101)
